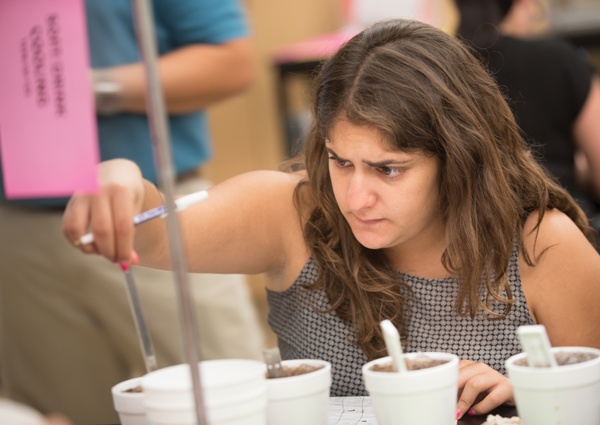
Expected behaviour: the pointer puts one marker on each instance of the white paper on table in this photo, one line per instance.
(351, 411)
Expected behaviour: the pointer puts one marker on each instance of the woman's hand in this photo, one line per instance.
(481, 389)
(109, 213)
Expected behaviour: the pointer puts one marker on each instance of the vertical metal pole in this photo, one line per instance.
(166, 175)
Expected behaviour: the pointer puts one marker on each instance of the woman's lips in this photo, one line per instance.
(367, 221)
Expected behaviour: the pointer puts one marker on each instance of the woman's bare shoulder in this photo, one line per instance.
(561, 286)
(555, 232)
(559, 252)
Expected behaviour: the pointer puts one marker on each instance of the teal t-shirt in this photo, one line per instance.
(112, 41)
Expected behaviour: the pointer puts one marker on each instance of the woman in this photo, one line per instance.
(417, 201)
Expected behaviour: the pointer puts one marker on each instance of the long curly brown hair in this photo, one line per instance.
(424, 91)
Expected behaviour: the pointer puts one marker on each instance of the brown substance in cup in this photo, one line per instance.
(564, 358)
(298, 370)
(421, 362)
(136, 389)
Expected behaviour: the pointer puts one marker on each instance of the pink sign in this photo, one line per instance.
(48, 135)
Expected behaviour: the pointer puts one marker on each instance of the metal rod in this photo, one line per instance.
(140, 321)
(166, 177)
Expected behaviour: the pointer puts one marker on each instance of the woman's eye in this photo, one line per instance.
(339, 162)
(390, 171)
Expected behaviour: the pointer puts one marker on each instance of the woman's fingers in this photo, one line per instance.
(101, 225)
(123, 228)
(500, 394)
(75, 222)
(108, 214)
(481, 388)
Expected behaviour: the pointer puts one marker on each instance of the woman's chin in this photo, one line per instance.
(372, 243)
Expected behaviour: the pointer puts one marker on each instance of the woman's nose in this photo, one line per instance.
(360, 195)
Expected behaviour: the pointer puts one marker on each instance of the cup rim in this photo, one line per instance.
(324, 370)
(510, 362)
(452, 360)
(304, 385)
(120, 387)
(130, 403)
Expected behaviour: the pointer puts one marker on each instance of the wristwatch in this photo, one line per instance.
(107, 93)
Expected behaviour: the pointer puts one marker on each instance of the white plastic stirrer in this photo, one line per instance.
(535, 342)
(392, 343)
(273, 361)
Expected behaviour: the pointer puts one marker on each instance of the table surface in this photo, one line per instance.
(359, 411)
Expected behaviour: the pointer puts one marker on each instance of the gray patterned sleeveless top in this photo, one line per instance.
(304, 332)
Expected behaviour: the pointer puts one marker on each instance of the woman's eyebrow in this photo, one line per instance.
(376, 164)
(387, 162)
(331, 151)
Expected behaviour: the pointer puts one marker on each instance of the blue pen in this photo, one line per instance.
(158, 212)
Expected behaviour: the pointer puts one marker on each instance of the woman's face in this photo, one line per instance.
(389, 198)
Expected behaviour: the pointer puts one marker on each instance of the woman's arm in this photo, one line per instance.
(248, 224)
(192, 77)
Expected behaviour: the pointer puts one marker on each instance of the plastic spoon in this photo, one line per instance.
(392, 343)
(536, 344)
(273, 361)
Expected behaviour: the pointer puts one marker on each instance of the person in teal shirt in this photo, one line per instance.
(67, 331)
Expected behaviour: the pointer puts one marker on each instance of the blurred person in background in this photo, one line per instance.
(552, 87)
(67, 330)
